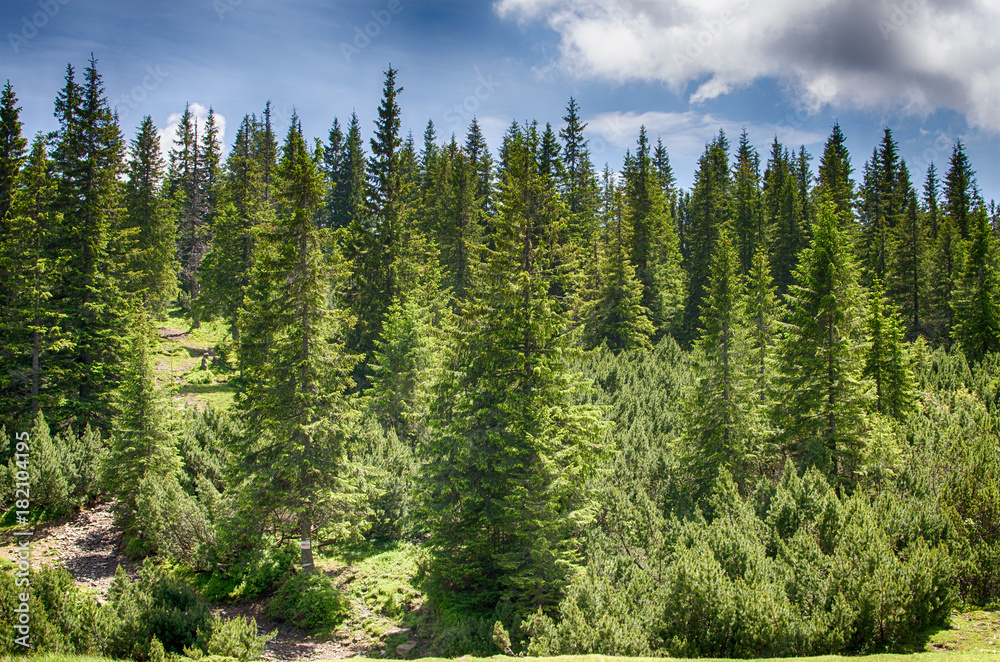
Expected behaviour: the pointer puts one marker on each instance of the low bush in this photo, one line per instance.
(310, 601)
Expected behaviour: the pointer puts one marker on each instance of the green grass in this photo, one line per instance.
(179, 364)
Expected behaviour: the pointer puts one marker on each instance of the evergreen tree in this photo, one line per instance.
(711, 209)
(243, 207)
(508, 462)
(931, 201)
(784, 215)
(30, 320)
(977, 301)
(763, 314)
(835, 176)
(908, 273)
(142, 443)
(887, 362)
(884, 194)
(655, 250)
(149, 222)
(961, 194)
(297, 373)
(580, 190)
(717, 430)
(822, 395)
(748, 212)
(947, 268)
(12, 148)
(616, 316)
(479, 156)
(88, 161)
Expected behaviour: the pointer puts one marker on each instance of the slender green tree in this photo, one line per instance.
(748, 211)
(822, 394)
(977, 301)
(297, 372)
(149, 223)
(717, 430)
(508, 462)
(616, 315)
(835, 176)
(961, 193)
(784, 215)
(887, 361)
(763, 314)
(12, 147)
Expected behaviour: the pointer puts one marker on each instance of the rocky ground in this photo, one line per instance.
(88, 544)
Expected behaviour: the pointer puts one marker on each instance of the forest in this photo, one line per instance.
(756, 418)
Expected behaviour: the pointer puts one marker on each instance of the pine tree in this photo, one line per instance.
(479, 156)
(580, 190)
(88, 161)
(784, 215)
(884, 194)
(977, 301)
(142, 443)
(947, 267)
(243, 207)
(931, 201)
(835, 176)
(510, 454)
(887, 362)
(763, 314)
(12, 148)
(748, 212)
(655, 249)
(297, 372)
(149, 223)
(822, 395)
(616, 315)
(717, 430)
(30, 320)
(908, 272)
(961, 194)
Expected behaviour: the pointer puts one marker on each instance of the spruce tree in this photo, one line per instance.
(12, 148)
(822, 394)
(763, 314)
(835, 176)
(616, 316)
(977, 300)
(149, 223)
(748, 212)
(931, 188)
(884, 199)
(887, 361)
(579, 189)
(947, 267)
(711, 209)
(88, 158)
(142, 443)
(297, 373)
(479, 156)
(784, 215)
(961, 193)
(908, 272)
(718, 427)
(508, 462)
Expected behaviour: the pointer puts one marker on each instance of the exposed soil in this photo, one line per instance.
(90, 547)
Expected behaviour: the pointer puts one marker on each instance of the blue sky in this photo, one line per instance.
(929, 69)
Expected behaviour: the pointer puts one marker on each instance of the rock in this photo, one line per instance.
(404, 649)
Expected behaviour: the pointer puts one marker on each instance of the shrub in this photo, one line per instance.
(237, 638)
(311, 601)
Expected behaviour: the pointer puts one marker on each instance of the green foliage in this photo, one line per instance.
(822, 395)
(236, 638)
(887, 361)
(154, 605)
(809, 573)
(63, 618)
(977, 299)
(386, 481)
(310, 601)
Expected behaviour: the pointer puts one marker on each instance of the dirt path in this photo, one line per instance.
(89, 545)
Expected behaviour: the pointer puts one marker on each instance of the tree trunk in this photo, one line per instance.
(305, 527)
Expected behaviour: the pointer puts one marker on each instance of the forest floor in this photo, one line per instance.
(388, 617)
(183, 352)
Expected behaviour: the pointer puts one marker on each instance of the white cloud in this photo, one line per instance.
(686, 134)
(200, 113)
(910, 55)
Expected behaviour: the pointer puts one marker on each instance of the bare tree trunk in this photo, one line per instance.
(305, 526)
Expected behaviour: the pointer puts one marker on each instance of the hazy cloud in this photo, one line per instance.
(910, 55)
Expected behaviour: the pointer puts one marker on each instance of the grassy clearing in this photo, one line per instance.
(178, 369)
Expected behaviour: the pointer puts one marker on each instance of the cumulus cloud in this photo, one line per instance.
(200, 113)
(910, 55)
(687, 133)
